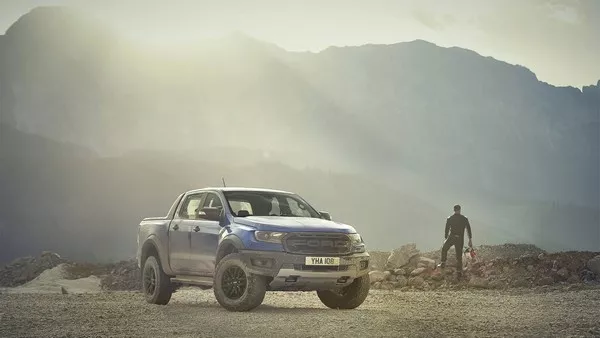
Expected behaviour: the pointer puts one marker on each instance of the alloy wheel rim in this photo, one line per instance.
(234, 282)
(149, 281)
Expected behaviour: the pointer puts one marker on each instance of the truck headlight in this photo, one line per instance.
(355, 239)
(358, 246)
(269, 236)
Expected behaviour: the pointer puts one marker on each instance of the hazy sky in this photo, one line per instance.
(557, 39)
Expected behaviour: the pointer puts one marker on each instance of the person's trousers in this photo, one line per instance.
(458, 242)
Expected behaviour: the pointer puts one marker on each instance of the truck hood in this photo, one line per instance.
(293, 224)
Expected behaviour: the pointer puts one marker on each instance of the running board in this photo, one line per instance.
(193, 280)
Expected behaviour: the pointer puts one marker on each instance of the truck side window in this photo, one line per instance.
(191, 207)
(212, 201)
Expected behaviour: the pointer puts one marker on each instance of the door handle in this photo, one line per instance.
(196, 228)
(176, 226)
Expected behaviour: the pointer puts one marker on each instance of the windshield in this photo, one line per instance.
(261, 203)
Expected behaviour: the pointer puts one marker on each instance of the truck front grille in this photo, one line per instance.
(317, 244)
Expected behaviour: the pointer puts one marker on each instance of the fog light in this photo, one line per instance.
(364, 265)
(262, 262)
(342, 280)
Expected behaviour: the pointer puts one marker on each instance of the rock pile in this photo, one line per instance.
(490, 252)
(25, 269)
(120, 276)
(495, 267)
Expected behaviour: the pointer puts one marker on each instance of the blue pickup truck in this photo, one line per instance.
(243, 242)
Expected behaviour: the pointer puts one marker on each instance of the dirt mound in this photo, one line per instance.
(25, 269)
(495, 267)
(124, 275)
(55, 281)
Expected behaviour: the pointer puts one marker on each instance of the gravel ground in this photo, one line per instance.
(195, 313)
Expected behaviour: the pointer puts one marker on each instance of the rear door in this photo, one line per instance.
(179, 233)
(205, 238)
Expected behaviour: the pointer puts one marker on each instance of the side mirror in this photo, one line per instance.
(211, 214)
(325, 215)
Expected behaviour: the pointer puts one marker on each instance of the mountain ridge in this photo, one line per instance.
(429, 125)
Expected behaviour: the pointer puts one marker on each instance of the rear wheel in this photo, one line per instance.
(349, 297)
(156, 285)
(235, 288)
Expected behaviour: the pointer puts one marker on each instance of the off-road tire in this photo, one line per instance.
(162, 290)
(253, 291)
(349, 297)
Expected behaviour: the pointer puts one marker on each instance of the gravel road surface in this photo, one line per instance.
(195, 313)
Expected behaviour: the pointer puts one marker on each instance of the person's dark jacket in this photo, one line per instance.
(456, 225)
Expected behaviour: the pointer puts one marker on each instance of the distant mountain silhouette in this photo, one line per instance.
(427, 126)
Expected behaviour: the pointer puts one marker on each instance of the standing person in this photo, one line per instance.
(455, 236)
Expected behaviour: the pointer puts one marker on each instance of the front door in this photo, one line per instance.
(180, 234)
(205, 238)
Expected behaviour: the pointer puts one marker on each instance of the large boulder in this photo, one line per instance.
(594, 265)
(400, 257)
(376, 276)
(425, 262)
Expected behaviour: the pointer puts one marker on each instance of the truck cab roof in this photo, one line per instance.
(225, 189)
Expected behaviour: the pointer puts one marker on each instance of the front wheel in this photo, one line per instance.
(349, 297)
(235, 288)
(156, 284)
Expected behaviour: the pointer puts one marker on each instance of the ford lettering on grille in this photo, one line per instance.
(317, 243)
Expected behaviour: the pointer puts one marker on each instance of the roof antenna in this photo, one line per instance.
(223, 179)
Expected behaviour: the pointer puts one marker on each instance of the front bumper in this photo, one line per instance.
(288, 271)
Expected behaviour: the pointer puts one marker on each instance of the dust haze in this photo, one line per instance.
(99, 130)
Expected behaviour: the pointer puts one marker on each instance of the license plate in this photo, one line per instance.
(329, 261)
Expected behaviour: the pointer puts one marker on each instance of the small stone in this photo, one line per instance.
(529, 268)
(401, 281)
(563, 273)
(417, 271)
(399, 272)
(63, 290)
(387, 275)
(416, 281)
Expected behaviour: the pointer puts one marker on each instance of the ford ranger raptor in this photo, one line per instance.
(243, 242)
